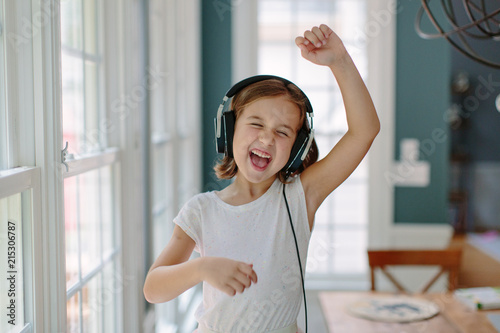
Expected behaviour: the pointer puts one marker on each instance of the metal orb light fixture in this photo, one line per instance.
(468, 20)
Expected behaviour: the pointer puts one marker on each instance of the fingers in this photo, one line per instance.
(240, 282)
(243, 278)
(326, 30)
(227, 275)
(316, 37)
(247, 269)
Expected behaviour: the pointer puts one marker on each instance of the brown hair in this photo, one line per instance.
(226, 168)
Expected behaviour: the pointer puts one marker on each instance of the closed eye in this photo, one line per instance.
(283, 133)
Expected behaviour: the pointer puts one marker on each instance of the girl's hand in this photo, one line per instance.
(227, 275)
(321, 46)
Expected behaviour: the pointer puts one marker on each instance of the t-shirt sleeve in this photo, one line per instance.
(189, 220)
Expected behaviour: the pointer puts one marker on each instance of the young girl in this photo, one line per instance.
(248, 264)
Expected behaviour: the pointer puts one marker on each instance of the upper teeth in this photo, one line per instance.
(261, 154)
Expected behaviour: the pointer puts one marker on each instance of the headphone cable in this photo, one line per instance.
(298, 255)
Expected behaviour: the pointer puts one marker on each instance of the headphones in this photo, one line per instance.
(224, 125)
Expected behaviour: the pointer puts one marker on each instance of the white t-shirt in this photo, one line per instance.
(258, 232)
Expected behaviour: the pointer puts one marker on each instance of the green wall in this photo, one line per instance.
(422, 98)
(216, 79)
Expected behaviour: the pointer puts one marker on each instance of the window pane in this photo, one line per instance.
(92, 135)
(109, 218)
(90, 20)
(89, 220)
(81, 76)
(72, 99)
(71, 24)
(112, 287)
(91, 305)
(73, 314)
(91, 245)
(11, 265)
(90, 242)
(350, 254)
(71, 230)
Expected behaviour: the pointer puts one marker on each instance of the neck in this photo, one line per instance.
(252, 190)
(241, 191)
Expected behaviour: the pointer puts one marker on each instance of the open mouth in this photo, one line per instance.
(259, 158)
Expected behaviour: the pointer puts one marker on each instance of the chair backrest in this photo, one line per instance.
(448, 260)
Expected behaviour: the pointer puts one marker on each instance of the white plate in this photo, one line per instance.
(394, 309)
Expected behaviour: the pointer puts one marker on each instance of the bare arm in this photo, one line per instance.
(323, 47)
(172, 273)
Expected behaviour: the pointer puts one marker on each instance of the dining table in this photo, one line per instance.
(452, 315)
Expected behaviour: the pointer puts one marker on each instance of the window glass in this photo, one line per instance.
(82, 63)
(73, 314)
(89, 222)
(91, 249)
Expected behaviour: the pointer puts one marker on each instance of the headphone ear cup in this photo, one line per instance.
(220, 142)
(224, 143)
(228, 120)
(298, 149)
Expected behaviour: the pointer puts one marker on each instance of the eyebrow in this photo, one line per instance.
(286, 126)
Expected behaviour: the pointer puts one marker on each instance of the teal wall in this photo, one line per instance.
(216, 79)
(422, 98)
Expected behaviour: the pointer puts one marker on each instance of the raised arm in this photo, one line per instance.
(322, 46)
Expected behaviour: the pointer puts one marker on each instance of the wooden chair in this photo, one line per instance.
(448, 260)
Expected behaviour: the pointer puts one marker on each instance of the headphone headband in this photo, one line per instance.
(257, 78)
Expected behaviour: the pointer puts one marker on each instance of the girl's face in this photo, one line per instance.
(263, 137)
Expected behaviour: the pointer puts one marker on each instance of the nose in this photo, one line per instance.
(266, 137)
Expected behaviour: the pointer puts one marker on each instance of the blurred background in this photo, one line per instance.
(106, 122)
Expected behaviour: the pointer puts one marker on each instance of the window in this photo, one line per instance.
(91, 181)
(338, 244)
(174, 137)
(66, 70)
